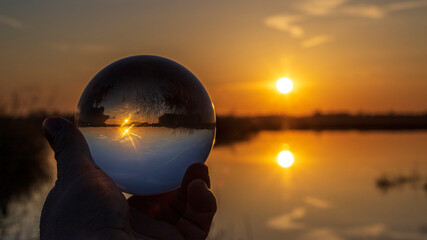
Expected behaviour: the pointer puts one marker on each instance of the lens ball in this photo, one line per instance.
(146, 119)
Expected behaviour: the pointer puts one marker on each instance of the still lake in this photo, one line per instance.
(147, 160)
(330, 191)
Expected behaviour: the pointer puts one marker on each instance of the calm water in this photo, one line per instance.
(328, 193)
(148, 160)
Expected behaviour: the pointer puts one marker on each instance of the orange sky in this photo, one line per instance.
(364, 55)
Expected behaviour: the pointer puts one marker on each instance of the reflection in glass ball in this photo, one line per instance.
(146, 119)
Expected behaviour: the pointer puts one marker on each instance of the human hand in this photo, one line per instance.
(86, 204)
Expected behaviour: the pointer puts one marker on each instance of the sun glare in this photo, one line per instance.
(127, 134)
(285, 159)
(284, 85)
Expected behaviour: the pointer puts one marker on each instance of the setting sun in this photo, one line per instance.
(285, 159)
(284, 85)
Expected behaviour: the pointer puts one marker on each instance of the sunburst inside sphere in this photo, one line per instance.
(146, 119)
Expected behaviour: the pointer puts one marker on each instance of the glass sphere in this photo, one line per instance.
(146, 119)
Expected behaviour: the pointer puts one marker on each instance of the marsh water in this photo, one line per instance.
(148, 160)
(330, 192)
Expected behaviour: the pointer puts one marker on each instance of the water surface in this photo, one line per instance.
(148, 160)
(329, 192)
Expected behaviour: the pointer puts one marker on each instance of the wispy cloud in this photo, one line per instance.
(381, 231)
(286, 23)
(405, 5)
(289, 24)
(288, 220)
(294, 23)
(373, 230)
(315, 41)
(82, 48)
(321, 234)
(365, 11)
(380, 11)
(316, 202)
(11, 22)
(320, 7)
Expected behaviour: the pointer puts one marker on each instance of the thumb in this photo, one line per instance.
(71, 150)
(199, 212)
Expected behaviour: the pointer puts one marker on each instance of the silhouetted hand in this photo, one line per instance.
(86, 204)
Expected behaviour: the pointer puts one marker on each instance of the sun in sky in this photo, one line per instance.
(284, 85)
(285, 158)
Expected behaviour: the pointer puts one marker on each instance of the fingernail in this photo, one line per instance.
(51, 127)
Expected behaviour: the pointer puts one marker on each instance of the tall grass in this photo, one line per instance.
(23, 155)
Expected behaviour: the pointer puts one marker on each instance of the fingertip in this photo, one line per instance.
(52, 126)
(69, 145)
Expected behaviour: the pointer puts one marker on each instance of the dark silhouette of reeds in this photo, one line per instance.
(361, 122)
(386, 183)
(23, 149)
(232, 129)
(22, 157)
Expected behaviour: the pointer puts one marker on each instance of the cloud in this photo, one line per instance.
(400, 6)
(82, 48)
(10, 22)
(321, 234)
(315, 41)
(316, 202)
(320, 8)
(380, 231)
(293, 24)
(287, 221)
(377, 12)
(286, 23)
(374, 12)
(407, 235)
(373, 230)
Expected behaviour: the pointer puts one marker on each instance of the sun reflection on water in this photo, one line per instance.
(126, 134)
(285, 158)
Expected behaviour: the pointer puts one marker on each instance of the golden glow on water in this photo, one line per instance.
(284, 85)
(126, 131)
(331, 170)
(285, 158)
(126, 134)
